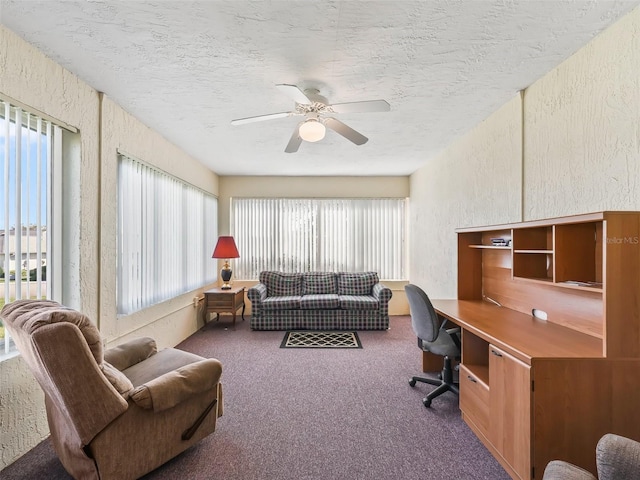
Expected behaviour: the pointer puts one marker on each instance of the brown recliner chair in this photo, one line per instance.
(617, 458)
(117, 414)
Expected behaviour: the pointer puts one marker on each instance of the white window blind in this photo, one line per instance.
(167, 230)
(26, 142)
(300, 235)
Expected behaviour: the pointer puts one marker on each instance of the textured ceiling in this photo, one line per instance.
(187, 68)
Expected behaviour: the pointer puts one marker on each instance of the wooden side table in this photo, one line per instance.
(220, 301)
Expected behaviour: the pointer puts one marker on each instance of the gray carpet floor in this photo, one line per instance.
(298, 414)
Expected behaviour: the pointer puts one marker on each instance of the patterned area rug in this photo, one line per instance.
(315, 339)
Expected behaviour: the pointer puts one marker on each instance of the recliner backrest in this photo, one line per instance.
(64, 351)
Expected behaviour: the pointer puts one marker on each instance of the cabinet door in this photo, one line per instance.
(510, 408)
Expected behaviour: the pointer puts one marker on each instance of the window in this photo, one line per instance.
(167, 230)
(26, 165)
(299, 235)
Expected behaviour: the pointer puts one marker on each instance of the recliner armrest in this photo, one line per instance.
(174, 387)
(129, 353)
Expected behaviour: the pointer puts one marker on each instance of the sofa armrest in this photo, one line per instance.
(174, 387)
(129, 353)
(382, 293)
(257, 294)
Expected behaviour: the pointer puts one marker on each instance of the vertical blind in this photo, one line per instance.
(25, 157)
(167, 230)
(300, 235)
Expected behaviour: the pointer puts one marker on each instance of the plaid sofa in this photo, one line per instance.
(319, 301)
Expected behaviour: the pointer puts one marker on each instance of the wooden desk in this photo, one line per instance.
(220, 301)
(536, 390)
(523, 336)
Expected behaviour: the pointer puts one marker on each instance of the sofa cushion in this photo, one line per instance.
(318, 283)
(358, 302)
(319, 302)
(282, 284)
(356, 283)
(288, 302)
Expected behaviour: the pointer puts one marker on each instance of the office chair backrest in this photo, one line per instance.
(424, 320)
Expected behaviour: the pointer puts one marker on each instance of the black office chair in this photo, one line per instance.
(433, 337)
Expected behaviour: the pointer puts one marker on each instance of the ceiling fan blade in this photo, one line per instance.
(293, 92)
(361, 107)
(295, 141)
(259, 118)
(346, 131)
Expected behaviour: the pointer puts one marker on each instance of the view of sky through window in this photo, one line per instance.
(30, 169)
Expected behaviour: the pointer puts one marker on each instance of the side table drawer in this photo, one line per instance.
(219, 301)
(474, 399)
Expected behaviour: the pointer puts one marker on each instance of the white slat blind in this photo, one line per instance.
(167, 230)
(25, 159)
(301, 235)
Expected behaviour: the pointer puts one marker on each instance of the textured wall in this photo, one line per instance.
(39, 83)
(476, 181)
(171, 321)
(582, 129)
(35, 81)
(579, 151)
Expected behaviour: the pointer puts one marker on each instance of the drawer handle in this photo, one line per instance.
(496, 353)
(472, 379)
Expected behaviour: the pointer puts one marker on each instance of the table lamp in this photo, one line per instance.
(226, 249)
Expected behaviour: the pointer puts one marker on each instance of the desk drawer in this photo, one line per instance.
(474, 399)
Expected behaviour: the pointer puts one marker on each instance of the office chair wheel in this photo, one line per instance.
(426, 402)
(412, 382)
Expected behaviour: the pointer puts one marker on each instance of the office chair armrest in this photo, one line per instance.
(454, 333)
(174, 387)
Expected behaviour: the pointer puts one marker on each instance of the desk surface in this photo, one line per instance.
(524, 336)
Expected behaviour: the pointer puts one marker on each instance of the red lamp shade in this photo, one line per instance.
(225, 248)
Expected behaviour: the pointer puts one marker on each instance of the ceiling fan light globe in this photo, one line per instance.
(312, 131)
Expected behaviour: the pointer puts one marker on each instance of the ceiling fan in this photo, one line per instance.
(316, 109)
